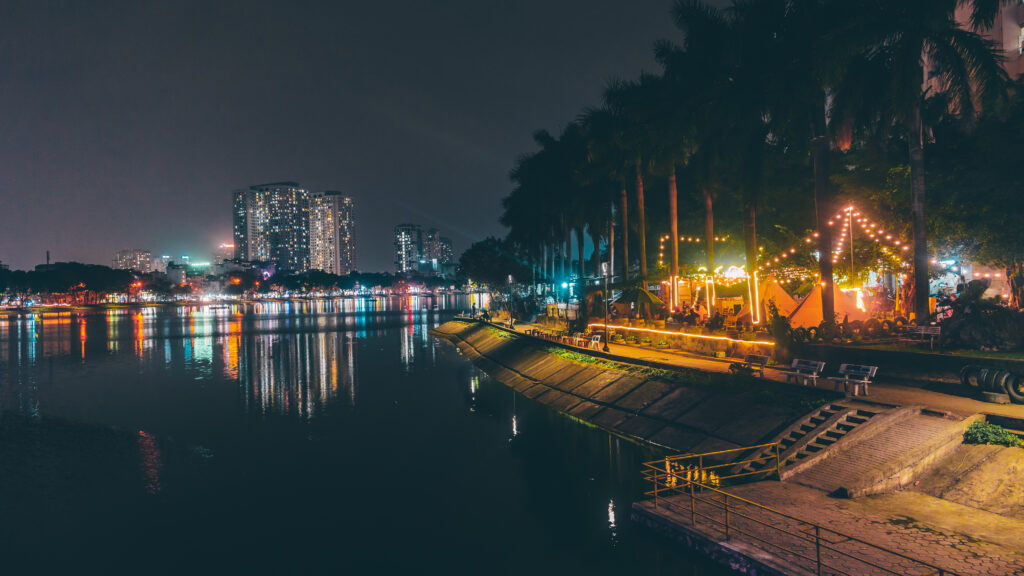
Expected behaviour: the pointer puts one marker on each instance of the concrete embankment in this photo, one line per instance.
(685, 410)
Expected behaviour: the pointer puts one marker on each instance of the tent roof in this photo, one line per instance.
(770, 290)
(808, 312)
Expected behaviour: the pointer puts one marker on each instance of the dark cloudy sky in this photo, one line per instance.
(127, 124)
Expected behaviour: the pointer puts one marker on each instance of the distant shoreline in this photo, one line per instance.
(75, 309)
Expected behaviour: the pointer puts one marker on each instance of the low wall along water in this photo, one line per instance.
(685, 410)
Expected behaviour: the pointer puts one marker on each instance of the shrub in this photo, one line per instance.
(985, 433)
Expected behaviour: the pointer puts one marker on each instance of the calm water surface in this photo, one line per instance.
(324, 437)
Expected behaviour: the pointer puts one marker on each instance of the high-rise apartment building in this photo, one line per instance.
(331, 240)
(446, 254)
(141, 260)
(271, 224)
(419, 250)
(408, 247)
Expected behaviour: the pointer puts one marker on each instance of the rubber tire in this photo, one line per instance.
(1015, 389)
(995, 398)
(985, 379)
(1001, 381)
(969, 376)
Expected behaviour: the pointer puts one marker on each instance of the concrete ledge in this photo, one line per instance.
(735, 555)
(902, 472)
(874, 426)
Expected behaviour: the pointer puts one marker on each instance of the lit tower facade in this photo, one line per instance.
(331, 233)
(141, 260)
(271, 224)
(408, 247)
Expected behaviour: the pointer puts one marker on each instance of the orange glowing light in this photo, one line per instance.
(698, 336)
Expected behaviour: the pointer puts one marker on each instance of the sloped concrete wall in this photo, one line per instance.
(688, 411)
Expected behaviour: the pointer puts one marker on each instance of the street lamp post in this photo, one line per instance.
(565, 285)
(511, 323)
(605, 307)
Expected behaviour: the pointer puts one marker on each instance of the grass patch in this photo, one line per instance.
(586, 359)
(985, 433)
(499, 333)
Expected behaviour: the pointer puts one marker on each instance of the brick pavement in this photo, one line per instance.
(873, 453)
(793, 542)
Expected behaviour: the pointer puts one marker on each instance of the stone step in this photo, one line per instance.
(845, 470)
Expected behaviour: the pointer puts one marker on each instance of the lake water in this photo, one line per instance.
(315, 437)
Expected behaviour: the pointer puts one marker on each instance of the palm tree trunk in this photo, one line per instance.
(673, 218)
(709, 229)
(823, 210)
(579, 250)
(566, 250)
(643, 225)
(595, 237)
(544, 256)
(611, 244)
(625, 234)
(922, 311)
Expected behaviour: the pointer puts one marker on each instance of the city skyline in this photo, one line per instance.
(131, 141)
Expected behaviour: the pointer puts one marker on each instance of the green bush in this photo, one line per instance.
(985, 433)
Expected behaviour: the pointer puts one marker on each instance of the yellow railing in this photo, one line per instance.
(684, 485)
(716, 468)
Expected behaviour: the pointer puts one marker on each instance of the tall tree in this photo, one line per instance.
(917, 50)
(631, 101)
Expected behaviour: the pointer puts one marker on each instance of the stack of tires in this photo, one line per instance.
(993, 384)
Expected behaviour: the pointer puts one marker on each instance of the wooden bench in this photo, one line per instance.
(931, 331)
(854, 378)
(753, 362)
(805, 372)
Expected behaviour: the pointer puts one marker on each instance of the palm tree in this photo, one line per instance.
(917, 50)
(671, 144)
(605, 132)
(630, 100)
(809, 54)
(701, 71)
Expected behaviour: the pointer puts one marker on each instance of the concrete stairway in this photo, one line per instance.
(878, 454)
(806, 437)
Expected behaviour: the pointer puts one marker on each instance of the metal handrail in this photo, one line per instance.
(686, 482)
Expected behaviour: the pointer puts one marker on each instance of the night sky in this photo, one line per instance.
(127, 124)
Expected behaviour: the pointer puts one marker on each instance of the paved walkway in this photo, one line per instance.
(936, 541)
(882, 392)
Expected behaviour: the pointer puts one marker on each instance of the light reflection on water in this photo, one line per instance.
(287, 357)
(338, 442)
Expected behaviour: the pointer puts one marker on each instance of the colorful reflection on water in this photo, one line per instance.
(288, 357)
(297, 437)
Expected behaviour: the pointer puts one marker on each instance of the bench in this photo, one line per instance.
(854, 378)
(805, 372)
(931, 331)
(752, 362)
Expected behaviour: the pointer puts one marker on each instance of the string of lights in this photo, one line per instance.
(684, 239)
(848, 217)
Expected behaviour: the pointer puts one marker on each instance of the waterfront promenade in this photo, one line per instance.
(883, 390)
(917, 421)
